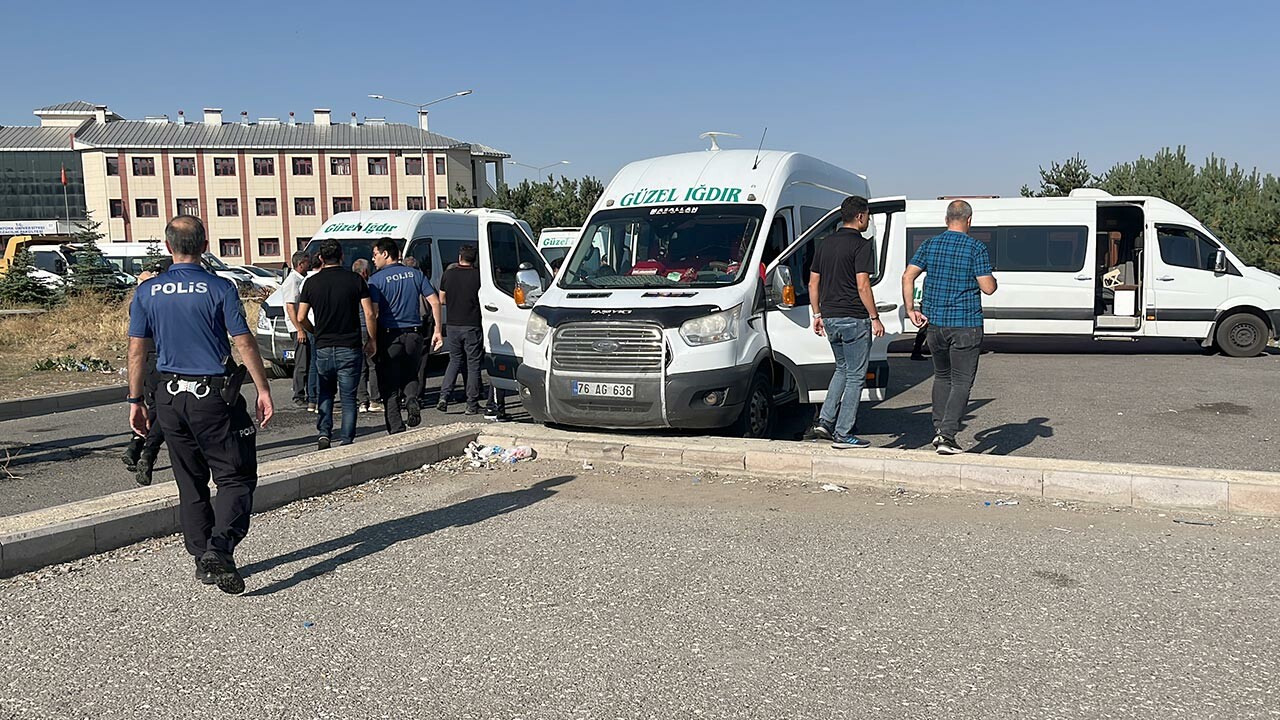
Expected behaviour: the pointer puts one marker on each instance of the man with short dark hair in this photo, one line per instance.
(845, 311)
(398, 289)
(957, 269)
(460, 294)
(290, 292)
(339, 297)
(188, 313)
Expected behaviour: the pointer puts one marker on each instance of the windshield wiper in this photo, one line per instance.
(589, 282)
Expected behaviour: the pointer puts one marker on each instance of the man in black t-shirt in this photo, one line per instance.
(845, 311)
(464, 339)
(338, 297)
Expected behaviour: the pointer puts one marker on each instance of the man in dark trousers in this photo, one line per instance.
(367, 389)
(845, 311)
(140, 456)
(188, 313)
(338, 298)
(397, 290)
(957, 269)
(291, 292)
(464, 339)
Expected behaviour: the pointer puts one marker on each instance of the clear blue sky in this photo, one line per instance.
(924, 98)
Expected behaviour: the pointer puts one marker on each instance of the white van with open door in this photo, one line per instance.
(1110, 267)
(433, 238)
(554, 243)
(682, 301)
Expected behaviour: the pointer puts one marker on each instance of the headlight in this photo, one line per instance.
(714, 328)
(537, 329)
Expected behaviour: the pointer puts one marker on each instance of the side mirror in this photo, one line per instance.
(528, 286)
(1220, 261)
(781, 290)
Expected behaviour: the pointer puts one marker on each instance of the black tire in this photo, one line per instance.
(1242, 335)
(756, 420)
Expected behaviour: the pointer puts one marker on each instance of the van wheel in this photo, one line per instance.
(1242, 335)
(756, 420)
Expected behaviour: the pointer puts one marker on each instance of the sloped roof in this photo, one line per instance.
(75, 106)
(24, 137)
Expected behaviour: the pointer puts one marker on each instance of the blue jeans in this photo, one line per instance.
(850, 340)
(338, 368)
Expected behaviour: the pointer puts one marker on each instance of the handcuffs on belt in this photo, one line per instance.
(199, 388)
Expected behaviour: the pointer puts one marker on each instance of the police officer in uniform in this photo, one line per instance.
(188, 312)
(398, 290)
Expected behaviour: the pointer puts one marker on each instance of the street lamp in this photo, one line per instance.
(539, 169)
(422, 153)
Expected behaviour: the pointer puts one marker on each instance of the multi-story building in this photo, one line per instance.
(264, 187)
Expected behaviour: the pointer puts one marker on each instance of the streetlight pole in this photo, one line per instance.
(422, 152)
(539, 169)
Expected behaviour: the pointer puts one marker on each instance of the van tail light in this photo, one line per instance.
(789, 295)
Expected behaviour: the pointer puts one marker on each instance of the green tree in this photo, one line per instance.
(154, 255)
(90, 271)
(19, 289)
(1061, 178)
(461, 198)
(552, 203)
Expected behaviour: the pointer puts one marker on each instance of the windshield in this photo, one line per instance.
(253, 270)
(666, 246)
(215, 262)
(351, 249)
(75, 257)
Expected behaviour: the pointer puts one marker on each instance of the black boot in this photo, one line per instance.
(142, 472)
(132, 452)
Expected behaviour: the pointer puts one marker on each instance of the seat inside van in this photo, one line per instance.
(1119, 270)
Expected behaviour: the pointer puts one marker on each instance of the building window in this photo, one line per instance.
(268, 246)
(144, 166)
(380, 202)
(442, 202)
(184, 166)
(228, 207)
(342, 204)
(113, 166)
(228, 247)
(188, 206)
(302, 166)
(304, 206)
(224, 166)
(413, 166)
(339, 166)
(414, 202)
(147, 207)
(117, 208)
(377, 166)
(266, 206)
(264, 166)
(439, 166)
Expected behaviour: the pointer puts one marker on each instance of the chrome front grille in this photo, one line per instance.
(613, 348)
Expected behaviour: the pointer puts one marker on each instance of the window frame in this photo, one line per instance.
(1203, 239)
(113, 165)
(384, 200)
(306, 163)
(408, 170)
(222, 248)
(151, 204)
(348, 201)
(178, 206)
(184, 162)
(297, 209)
(222, 164)
(339, 162)
(531, 248)
(261, 163)
(115, 208)
(410, 201)
(143, 162)
(262, 251)
(379, 166)
(274, 206)
(442, 166)
(232, 203)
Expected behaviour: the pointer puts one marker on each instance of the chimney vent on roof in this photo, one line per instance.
(100, 114)
(182, 119)
(268, 121)
(244, 117)
(375, 121)
(353, 120)
(292, 120)
(213, 116)
(157, 119)
(322, 116)
(422, 120)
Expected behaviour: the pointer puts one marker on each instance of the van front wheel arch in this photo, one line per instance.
(756, 420)
(1241, 335)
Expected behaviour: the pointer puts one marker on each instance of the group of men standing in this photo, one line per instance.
(957, 271)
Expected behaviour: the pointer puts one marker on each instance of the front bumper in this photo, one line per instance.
(677, 402)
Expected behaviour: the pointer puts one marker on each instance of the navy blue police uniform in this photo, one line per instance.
(188, 312)
(398, 290)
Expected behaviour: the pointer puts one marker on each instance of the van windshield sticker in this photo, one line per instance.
(556, 241)
(370, 229)
(675, 210)
(701, 193)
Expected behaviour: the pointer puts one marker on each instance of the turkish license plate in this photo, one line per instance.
(288, 354)
(599, 389)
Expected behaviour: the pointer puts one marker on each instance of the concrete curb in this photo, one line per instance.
(67, 532)
(1227, 492)
(63, 401)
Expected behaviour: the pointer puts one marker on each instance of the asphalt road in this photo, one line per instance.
(75, 455)
(549, 592)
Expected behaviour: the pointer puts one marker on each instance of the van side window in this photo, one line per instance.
(777, 242)
(1020, 248)
(508, 248)
(801, 259)
(808, 216)
(420, 250)
(1184, 247)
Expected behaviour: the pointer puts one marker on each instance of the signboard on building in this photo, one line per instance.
(29, 227)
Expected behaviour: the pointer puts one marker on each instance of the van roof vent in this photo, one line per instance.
(715, 135)
(1089, 193)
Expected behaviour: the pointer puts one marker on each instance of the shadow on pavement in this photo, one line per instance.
(58, 450)
(375, 538)
(1007, 438)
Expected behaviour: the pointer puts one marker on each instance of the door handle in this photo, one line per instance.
(1083, 278)
(1165, 278)
(886, 307)
(491, 308)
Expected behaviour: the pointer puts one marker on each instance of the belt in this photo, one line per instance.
(397, 331)
(198, 385)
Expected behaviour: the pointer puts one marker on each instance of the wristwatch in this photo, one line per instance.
(133, 400)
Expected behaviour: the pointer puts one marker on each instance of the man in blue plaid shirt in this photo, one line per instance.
(957, 268)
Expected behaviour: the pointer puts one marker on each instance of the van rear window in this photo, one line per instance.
(1021, 248)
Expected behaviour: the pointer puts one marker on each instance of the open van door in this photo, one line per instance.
(504, 247)
(795, 346)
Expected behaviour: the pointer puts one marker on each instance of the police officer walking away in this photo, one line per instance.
(188, 313)
(397, 289)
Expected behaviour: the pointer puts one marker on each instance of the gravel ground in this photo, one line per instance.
(551, 591)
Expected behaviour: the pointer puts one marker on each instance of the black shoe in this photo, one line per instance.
(203, 576)
(142, 473)
(947, 446)
(323, 443)
(472, 410)
(224, 573)
(300, 404)
(442, 406)
(413, 409)
(132, 453)
(918, 357)
(824, 432)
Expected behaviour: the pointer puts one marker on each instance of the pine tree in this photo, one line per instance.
(90, 271)
(19, 289)
(550, 203)
(155, 256)
(1061, 178)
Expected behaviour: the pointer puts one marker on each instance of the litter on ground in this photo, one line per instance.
(487, 456)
